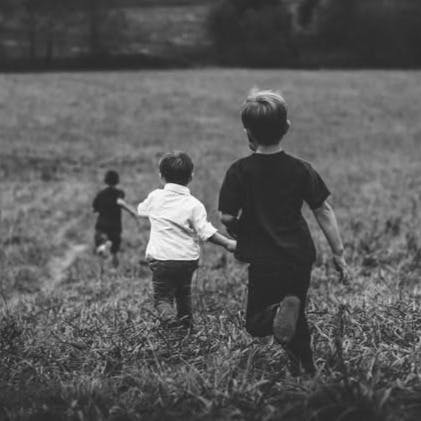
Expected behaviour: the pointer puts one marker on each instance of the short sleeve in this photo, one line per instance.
(203, 228)
(143, 209)
(315, 191)
(95, 204)
(230, 195)
(121, 194)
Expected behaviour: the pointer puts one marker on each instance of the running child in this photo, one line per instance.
(178, 223)
(108, 204)
(260, 200)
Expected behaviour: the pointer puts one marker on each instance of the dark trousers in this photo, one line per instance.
(268, 285)
(171, 281)
(103, 235)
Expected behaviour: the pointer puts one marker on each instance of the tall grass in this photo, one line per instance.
(92, 347)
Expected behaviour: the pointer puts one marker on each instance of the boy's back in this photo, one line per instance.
(109, 212)
(260, 200)
(177, 220)
(270, 190)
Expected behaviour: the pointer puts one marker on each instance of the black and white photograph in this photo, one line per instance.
(210, 210)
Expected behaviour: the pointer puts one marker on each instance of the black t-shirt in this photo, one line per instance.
(105, 203)
(268, 191)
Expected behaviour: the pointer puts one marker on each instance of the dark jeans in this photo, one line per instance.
(268, 285)
(171, 280)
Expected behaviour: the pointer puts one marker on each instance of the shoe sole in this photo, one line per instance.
(100, 251)
(285, 320)
(104, 249)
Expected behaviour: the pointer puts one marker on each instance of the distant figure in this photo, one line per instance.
(178, 221)
(260, 201)
(108, 225)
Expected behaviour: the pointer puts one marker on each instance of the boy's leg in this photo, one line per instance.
(286, 318)
(163, 289)
(268, 286)
(300, 345)
(101, 242)
(115, 247)
(265, 291)
(115, 260)
(183, 292)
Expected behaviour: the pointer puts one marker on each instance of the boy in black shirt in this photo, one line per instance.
(108, 204)
(260, 201)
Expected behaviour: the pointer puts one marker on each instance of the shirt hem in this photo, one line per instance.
(178, 258)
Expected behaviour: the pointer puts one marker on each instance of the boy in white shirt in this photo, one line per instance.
(178, 222)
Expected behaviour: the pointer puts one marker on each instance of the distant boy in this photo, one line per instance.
(108, 225)
(178, 221)
(260, 201)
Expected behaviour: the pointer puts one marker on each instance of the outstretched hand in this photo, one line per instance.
(231, 246)
(342, 268)
(121, 202)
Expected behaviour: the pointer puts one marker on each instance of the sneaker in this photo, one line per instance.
(285, 320)
(104, 249)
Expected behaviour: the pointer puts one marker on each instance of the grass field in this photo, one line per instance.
(81, 343)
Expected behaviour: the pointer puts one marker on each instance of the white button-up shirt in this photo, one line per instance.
(178, 222)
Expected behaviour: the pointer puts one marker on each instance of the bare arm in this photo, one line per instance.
(326, 219)
(207, 232)
(231, 223)
(223, 241)
(127, 208)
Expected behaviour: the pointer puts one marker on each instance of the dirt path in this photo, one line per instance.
(57, 268)
(59, 265)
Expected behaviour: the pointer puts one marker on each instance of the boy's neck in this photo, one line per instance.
(269, 149)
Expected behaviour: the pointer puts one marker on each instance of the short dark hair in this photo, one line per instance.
(111, 178)
(264, 114)
(176, 167)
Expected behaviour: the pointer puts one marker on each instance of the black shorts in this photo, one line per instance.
(102, 236)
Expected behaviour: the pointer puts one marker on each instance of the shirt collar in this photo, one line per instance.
(177, 188)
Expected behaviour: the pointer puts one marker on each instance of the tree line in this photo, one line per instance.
(45, 28)
(317, 32)
(241, 32)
